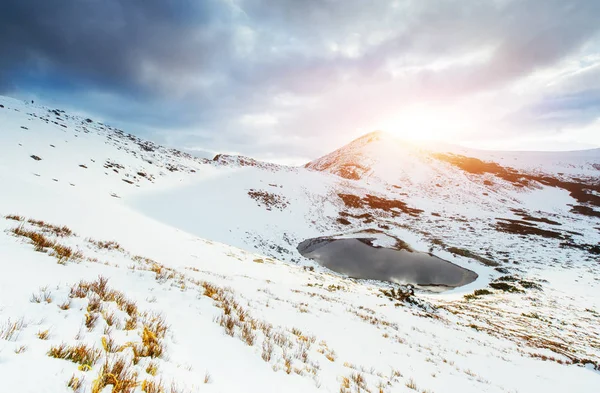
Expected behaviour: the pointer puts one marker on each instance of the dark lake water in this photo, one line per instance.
(357, 258)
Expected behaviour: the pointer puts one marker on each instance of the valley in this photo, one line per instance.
(207, 250)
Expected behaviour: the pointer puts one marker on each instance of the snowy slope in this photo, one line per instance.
(579, 163)
(210, 245)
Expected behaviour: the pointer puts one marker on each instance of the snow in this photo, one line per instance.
(546, 199)
(195, 218)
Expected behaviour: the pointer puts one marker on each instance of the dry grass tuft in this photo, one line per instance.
(90, 320)
(411, 384)
(20, 349)
(80, 354)
(106, 245)
(345, 385)
(359, 380)
(110, 318)
(281, 340)
(212, 291)
(131, 323)
(228, 323)
(155, 328)
(9, 331)
(267, 350)
(39, 241)
(63, 231)
(94, 304)
(43, 334)
(330, 355)
(65, 305)
(62, 253)
(79, 290)
(152, 368)
(149, 386)
(162, 273)
(100, 288)
(296, 332)
(75, 383)
(130, 307)
(14, 217)
(42, 243)
(117, 372)
(150, 346)
(248, 335)
(287, 363)
(44, 296)
(109, 345)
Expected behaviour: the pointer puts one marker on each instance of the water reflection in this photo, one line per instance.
(358, 259)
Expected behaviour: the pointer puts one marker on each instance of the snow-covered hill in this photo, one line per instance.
(209, 292)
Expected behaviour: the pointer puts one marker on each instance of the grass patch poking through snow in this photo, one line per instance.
(44, 238)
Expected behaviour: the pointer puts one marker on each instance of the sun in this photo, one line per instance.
(422, 122)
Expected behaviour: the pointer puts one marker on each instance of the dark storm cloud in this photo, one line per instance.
(107, 42)
(204, 64)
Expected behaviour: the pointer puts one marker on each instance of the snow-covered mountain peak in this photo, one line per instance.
(384, 156)
(372, 137)
(367, 155)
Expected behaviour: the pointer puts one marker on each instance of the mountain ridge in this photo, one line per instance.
(357, 147)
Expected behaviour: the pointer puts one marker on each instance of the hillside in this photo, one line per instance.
(206, 290)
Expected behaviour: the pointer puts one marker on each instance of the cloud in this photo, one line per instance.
(556, 112)
(304, 70)
(114, 43)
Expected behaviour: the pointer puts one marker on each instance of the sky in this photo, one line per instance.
(291, 80)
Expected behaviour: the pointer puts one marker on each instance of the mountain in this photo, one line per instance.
(133, 265)
(382, 155)
(377, 154)
(444, 179)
